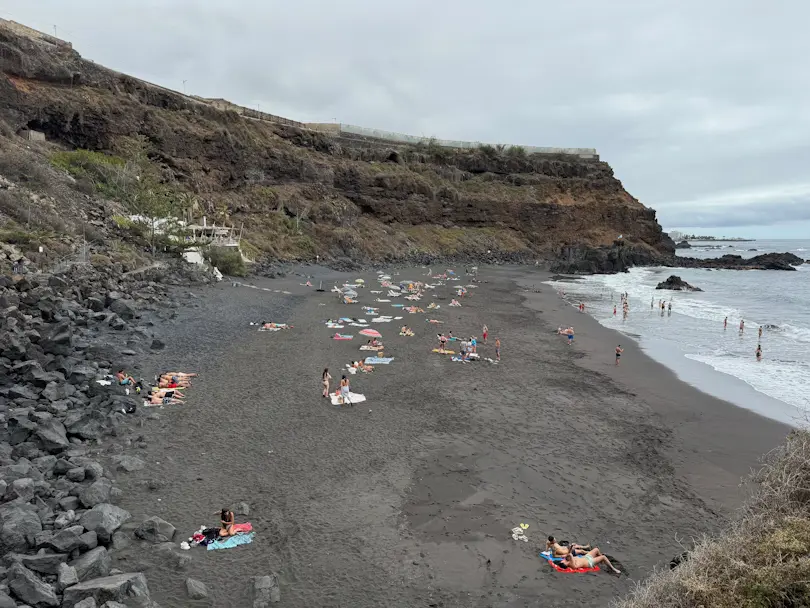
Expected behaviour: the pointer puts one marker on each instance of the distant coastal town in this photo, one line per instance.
(681, 236)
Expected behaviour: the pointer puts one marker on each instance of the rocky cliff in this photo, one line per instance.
(302, 193)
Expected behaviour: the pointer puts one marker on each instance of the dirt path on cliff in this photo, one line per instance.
(407, 499)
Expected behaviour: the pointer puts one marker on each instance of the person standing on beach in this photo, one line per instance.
(325, 379)
(725, 323)
(344, 390)
(742, 326)
(485, 333)
(497, 349)
(619, 351)
(614, 310)
(759, 352)
(652, 302)
(760, 331)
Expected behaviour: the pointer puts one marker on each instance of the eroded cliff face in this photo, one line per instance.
(303, 193)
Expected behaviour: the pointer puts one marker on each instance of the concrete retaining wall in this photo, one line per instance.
(448, 143)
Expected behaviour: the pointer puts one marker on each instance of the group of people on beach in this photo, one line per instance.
(166, 388)
(576, 556)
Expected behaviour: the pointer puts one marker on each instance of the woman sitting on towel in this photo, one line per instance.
(227, 521)
(124, 378)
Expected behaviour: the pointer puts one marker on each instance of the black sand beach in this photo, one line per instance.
(408, 498)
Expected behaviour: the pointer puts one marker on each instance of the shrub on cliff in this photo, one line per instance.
(228, 260)
(112, 176)
(762, 560)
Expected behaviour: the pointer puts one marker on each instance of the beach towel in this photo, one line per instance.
(342, 337)
(398, 305)
(359, 324)
(369, 347)
(382, 320)
(555, 562)
(378, 360)
(335, 326)
(381, 300)
(443, 351)
(353, 398)
(231, 541)
(271, 328)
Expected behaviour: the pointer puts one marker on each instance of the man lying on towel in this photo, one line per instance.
(592, 558)
(563, 548)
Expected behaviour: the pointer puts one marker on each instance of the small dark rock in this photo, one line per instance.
(196, 589)
(155, 530)
(677, 284)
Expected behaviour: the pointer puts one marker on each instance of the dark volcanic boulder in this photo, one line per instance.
(676, 283)
(683, 245)
(59, 340)
(93, 564)
(19, 527)
(155, 530)
(31, 589)
(104, 520)
(51, 433)
(266, 591)
(126, 309)
(128, 589)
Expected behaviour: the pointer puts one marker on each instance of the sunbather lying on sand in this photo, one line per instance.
(590, 559)
(362, 366)
(270, 325)
(178, 374)
(163, 392)
(564, 548)
(405, 331)
(167, 399)
(173, 382)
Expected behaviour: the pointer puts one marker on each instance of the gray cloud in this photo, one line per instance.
(694, 104)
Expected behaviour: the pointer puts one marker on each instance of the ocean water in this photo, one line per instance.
(691, 339)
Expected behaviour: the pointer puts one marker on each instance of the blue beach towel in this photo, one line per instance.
(547, 555)
(231, 542)
(378, 360)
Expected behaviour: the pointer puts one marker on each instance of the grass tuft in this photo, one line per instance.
(762, 560)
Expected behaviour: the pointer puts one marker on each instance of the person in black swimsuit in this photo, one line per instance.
(227, 520)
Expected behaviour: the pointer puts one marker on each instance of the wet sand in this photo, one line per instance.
(408, 498)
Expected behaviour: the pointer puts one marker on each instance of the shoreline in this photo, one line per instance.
(710, 426)
(408, 499)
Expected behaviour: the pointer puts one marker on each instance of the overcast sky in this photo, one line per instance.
(700, 107)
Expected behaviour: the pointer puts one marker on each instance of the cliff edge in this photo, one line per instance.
(299, 193)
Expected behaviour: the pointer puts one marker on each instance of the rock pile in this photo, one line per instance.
(676, 283)
(58, 513)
